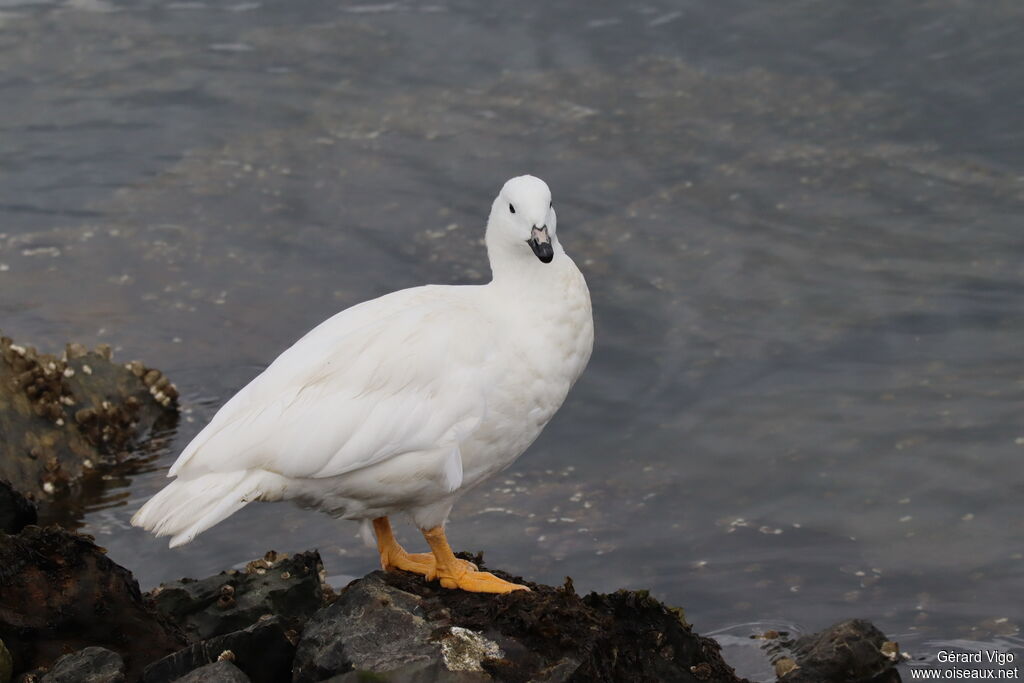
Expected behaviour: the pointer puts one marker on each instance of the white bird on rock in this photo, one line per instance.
(403, 403)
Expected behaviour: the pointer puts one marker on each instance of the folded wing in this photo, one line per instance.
(402, 373)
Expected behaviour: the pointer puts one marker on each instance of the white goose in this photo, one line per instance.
(402, 403)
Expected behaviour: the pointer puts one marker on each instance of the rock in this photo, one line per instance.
(64, 416)
(370, 627)
(91, 665)
(218, 672)
(642, 635)
(262, 651)
(412, 673)
(16, 511)
(403, 628)
(852, 651)
(59, 592)
(290, 588)
(6, 664)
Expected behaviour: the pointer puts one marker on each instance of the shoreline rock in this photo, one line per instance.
(426, 632)
(851, 650)
(289, 588)
(62, 417)
(91, 665)
(262, 651)
(16, 511)
(59, 593)
(68, 610)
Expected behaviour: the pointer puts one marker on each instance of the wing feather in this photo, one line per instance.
(402, 373)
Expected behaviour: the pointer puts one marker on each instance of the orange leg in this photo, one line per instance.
(453, 573)
(394, 556)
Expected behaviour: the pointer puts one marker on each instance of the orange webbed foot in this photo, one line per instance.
(479, 582)
(453, 572)
(431, 561)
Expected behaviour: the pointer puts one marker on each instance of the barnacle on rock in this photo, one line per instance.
(57, 413)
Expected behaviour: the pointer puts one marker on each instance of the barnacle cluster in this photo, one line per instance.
(40, 377)
(160, 388)
(64, 415)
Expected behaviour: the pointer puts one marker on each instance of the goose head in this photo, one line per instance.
(522, 222)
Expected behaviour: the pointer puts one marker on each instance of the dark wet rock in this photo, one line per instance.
(91, 665)
(62, 417)
(852, 651)
(6, 664)
(399, 625)
(16, 511)
(263, 651)
(290, 588)
(436, 672)
(390, 632)
(59, 592)
(218, 672)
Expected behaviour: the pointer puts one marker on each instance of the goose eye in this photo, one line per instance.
(511, 208)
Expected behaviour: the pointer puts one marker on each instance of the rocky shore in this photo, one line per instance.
(70, 614)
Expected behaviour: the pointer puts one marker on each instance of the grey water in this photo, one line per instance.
(801, 223)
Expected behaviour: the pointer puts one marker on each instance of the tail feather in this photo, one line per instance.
(187, 507)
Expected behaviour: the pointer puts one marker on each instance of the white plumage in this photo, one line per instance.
(401, 403)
